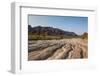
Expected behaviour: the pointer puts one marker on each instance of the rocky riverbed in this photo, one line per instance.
(74, 48)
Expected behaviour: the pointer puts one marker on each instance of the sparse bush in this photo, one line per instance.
(84, 36)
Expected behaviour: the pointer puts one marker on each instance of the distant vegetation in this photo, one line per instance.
(49, 33)
(48, 37)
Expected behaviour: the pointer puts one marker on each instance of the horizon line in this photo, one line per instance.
(56, 28)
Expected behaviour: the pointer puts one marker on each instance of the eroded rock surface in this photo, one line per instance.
(58, 49)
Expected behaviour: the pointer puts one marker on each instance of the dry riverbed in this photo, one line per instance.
(75, 48)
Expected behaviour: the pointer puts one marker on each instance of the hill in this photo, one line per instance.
(48, 33)
(39, 30)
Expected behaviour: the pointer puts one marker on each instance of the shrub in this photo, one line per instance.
(84, 36)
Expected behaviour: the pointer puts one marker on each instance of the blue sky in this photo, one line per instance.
(76, 24)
